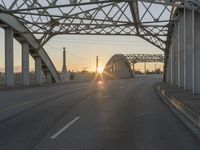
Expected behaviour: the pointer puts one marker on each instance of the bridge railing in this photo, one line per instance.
(18, 79)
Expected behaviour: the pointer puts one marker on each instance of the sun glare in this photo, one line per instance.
(100, 69)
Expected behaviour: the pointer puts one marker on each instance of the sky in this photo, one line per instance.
(83, 49)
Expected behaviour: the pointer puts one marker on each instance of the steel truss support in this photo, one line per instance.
(139, 58)
(47, 18)
(35, 48)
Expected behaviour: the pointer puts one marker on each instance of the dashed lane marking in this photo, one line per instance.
(64, 128)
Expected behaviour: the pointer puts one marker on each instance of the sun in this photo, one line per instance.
(100, 69)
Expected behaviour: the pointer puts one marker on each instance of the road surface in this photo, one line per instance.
(116, 115)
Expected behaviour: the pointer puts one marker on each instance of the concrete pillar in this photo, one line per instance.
(174, 56)
(168, 70)
(169, 66)
(48, 77)
(25, 64)
(188, 45)
(181, 49)
(196, 52)
(38, 70)
(9, 63)
(171, 61)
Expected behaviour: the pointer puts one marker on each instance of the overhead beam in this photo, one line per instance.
(135, 14)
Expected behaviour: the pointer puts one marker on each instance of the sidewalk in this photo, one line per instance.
(184, 102)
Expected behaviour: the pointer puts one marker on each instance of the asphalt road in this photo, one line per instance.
(116, 115)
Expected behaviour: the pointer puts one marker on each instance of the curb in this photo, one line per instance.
(184, 112)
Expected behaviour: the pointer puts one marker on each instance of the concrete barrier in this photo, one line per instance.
(190, 117)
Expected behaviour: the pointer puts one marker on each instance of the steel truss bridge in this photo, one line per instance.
(139, 58)
(149, 19)
(122, 66)
(34, 22)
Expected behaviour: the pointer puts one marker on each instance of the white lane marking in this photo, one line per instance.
(64, 128)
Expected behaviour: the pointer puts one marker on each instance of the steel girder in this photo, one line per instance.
(139, 58)
(148, 19)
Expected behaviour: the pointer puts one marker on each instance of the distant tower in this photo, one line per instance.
(97, 63)
(64, 68)
(65, 75)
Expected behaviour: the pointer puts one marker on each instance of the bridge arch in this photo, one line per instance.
(118, 67)
(29, 43)
(122, 66)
